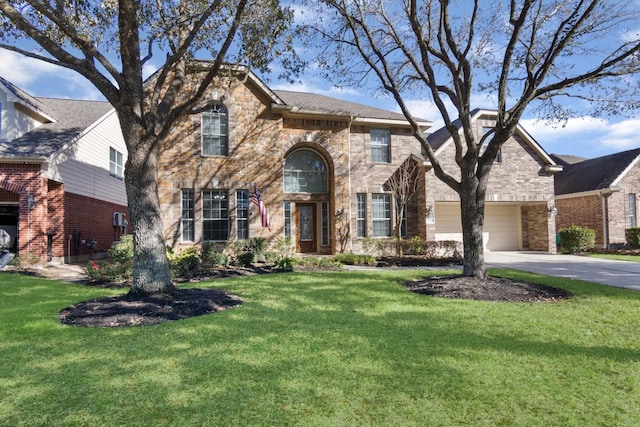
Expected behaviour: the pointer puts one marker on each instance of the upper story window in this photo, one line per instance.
(116, 163)
(305, 172)
(380, 145)
(485, 130)
(215, 131)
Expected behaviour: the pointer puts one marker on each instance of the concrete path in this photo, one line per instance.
(623, 274)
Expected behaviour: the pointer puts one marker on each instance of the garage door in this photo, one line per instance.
(500, 225)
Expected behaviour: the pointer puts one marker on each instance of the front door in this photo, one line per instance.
(306, 224)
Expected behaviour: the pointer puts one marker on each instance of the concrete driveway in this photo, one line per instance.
(623, 274)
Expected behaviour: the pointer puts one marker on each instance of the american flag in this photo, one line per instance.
(264, 215)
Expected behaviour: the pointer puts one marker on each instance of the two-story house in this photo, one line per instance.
(62, 194)
(321, 165)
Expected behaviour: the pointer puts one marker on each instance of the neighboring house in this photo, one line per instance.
(601, 194)
(61, 175)
(321, 165)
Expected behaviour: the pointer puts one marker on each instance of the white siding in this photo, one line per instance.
(83, 167)
(15, 122)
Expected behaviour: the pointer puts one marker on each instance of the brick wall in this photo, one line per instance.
(55, 214)
(92, 219)
(584, 211)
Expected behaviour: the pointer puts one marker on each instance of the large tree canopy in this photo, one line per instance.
(110, 42)
(535, 54)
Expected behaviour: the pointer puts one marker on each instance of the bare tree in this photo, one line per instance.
(527, 53)
(109, 43)
(403, 184)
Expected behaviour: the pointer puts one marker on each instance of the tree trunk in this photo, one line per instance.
(150, 265)
(472, 213)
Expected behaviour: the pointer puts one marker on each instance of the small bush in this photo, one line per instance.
(122, 251)
(109, 271)
(185, 262)
(355, 259)
(633, 236)
(210, 256)
(576, 239)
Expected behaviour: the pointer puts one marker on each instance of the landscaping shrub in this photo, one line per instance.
(118, 268)
(245, 252)
(576, 239)
(211, 257)
(390, 246)
(185, 262)
(122, 251)
(633, 236)
(355, 259)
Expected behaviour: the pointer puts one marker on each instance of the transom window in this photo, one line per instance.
(305, 172)
(215, 131)
(380, 145)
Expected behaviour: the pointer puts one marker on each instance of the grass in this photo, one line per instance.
(619, 257)
(326, 349)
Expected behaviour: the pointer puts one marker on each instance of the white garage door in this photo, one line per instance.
(500, 225)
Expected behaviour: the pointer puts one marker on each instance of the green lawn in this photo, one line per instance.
(620, 257)
(325, 349)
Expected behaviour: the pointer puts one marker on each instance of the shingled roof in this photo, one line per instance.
(321, 104)
(594, 174)
(72, 118)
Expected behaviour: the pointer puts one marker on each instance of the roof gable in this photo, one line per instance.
(440, 139)
(595, 174)
(20, 96)
(74, 118)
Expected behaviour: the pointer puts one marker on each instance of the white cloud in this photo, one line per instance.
(41, 78)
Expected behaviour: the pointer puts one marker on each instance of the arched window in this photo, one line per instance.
(215, 131)
(305, 172)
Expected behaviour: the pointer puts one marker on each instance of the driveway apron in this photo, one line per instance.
(624, 274)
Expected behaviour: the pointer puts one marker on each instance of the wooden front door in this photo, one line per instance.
(306, 224)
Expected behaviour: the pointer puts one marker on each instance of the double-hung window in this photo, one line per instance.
(187, 216)
(381, 215)
(380, 145)
(116, 163)
(215, 131)
(215, 215)
(632, 210)
(361, 215)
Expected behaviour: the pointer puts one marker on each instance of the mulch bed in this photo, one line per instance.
(136, 310)
(489, 289)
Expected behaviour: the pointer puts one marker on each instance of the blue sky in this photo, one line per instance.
(581, 136)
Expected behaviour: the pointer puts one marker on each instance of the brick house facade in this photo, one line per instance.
(518, 209)
(57, 192)
(602, 194)
(321, 165)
